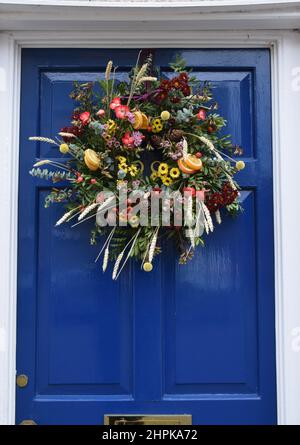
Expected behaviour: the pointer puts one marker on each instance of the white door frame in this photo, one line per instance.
(285, 51)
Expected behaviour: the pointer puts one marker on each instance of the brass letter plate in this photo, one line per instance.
(147, 419)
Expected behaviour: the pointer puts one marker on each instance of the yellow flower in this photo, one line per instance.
(154, 176)
(123, 166)
(133, 170)
(165, 115)
(147, 267)
(166, 181)
(64, 148)
(121, 158)
(156, 125)
(174, 172)
(111, 126)
(163, 169)
(240, 165)
(106, 136)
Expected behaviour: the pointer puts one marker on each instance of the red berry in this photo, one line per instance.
(93, 181)
(199, 154)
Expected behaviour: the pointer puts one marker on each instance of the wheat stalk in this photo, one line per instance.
(42, 139)
(141, 73)
(67, 135)
(153, 245)
(184, 148)
(105, 259)
(87, 210)
(64, 217)
(147, 79)
(206, 226)
(117, 264)
(207, 217)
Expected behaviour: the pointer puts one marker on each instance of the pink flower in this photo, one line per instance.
(100, 112)
(201, 115)
(127, 139)
(116, 102)
(93, 181)
(85, 117)
(121, 111)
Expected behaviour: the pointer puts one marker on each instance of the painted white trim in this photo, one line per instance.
(286, 111)
(149, 3)
(192, 14)
(9, 131)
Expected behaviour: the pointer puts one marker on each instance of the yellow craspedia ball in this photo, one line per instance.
(240, 165)
(64, 148)
(147, 267)
(165, 115)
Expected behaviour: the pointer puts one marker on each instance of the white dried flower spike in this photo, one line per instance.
(184, 148)
(87, 210)
(67, 135)
(191, 235)
(153, 245)
(147, 79)
(42, 139)
(107, 201)
(207, 217)
(117, 265)
(108, 70)
(64, 218)
(218, 216)
(105, 259)
(206, 226)
(142, 72)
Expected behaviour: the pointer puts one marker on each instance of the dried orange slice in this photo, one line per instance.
(138, 120)
(91, 159)
(193, 162)
(184, 168)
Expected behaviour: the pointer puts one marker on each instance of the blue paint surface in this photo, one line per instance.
(195, 339)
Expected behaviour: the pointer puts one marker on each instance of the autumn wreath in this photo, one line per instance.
(145, 160)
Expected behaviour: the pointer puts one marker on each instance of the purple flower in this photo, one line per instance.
(137, 138)
(130, 117)
(165, 144)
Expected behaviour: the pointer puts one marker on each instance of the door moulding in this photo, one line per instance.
(285, 56)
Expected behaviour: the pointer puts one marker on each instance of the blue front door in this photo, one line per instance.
(195, 339)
